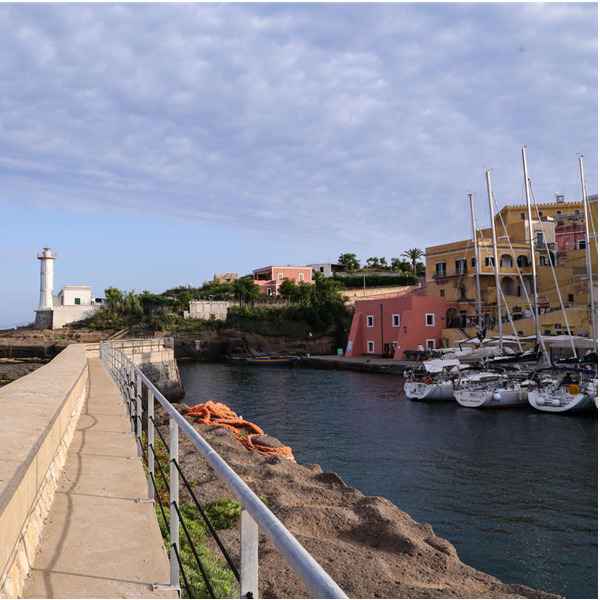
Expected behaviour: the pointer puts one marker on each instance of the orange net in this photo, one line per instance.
(216, 413)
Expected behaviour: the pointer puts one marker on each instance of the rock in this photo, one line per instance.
(370, 547)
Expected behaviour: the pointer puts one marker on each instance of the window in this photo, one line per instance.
(442, 293)
(489, 261)
(581, 244)
(539, 237)
(440, 268)
(300, 276)
(461, 266)
(543, 260)
(571, 297)
(395, 320)
(576, 211)
(473, 262)
(430, 344)
(540, 214)
(559, 212)
(370, 321)
(77, 300)
(430, 320)
(280, 276)
(522, 216)
(370, 347)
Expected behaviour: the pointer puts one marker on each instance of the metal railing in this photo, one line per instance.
(142, 345)
(255, 515)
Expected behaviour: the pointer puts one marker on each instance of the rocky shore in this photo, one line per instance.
(370, 547)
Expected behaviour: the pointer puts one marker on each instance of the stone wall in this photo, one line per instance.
(40, 413)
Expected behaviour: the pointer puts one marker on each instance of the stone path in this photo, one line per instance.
(98, 542)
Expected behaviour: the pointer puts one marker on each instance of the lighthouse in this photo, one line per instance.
(44, 312)
(46, 278)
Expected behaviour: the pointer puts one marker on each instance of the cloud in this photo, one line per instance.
(306, 120)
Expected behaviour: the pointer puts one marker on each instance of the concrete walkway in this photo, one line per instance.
(98, 542)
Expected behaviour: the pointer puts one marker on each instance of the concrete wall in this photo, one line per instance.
(63, 315)
(156, 360)
(203, 309)
(39, 415)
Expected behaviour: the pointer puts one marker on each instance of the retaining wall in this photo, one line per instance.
(39, 416)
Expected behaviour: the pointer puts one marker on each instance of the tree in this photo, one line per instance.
(414, 254)
(245, 290)
(183, 300)
(400, 265)
(287, 289)
(373, 262)
(350, 260)
(114, 297)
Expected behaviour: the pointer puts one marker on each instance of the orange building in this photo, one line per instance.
(270, 278)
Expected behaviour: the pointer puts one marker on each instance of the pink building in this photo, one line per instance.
(270, 278)
(390, 326)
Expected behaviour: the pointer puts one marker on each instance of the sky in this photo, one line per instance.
(154, 145)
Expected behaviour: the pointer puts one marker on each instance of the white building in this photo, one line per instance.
(204, 309)
(73, 302)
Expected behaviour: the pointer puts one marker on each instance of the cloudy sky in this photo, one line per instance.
(153, 145)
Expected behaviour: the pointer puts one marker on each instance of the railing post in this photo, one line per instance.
(174, 500)
(248, 556)
(138, 416)
(150, 445)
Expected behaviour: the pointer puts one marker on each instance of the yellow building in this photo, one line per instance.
(451, 272)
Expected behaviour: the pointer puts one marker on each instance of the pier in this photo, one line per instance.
(77, 512)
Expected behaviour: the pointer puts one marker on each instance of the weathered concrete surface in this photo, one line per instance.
(389, 366)
(39, 415)
(98, 542)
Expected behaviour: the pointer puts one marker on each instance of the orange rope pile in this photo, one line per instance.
(216, 413)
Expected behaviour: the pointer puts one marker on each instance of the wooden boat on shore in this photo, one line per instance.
(272, 361)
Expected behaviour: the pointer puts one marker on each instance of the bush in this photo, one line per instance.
(377, 280)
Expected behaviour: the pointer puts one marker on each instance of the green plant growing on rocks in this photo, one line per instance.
(221, 578)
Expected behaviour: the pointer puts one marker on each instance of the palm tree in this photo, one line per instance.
(414, 254)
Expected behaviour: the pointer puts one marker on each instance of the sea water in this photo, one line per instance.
(515, 490)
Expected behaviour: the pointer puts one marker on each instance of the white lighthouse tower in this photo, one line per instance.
(43, 318)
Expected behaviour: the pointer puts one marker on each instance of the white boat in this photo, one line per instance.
(429, 390)
(500, 393)
(443, 377)
(437, 383)
(565, 396)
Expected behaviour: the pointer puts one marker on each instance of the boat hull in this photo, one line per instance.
(419, 390)
(273, 361)
(560, 401)
(497, 398)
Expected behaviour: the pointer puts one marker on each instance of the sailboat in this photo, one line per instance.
(567, 394)
(501, 391)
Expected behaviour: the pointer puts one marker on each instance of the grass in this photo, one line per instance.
(222, 514)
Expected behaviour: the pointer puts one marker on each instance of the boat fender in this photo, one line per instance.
(428, 380)
(574, 389)
(497, 397)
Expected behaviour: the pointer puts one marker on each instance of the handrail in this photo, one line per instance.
(320, 584)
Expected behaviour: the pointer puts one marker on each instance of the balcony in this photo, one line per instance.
(542, 246)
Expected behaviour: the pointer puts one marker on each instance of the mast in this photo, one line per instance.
(588, 258)
(531, 248)
(496, 266)
(476, 255)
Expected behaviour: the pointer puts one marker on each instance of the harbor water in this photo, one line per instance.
(515, 491)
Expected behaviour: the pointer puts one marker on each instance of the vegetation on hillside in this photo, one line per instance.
(380, 264)
(299, 310)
